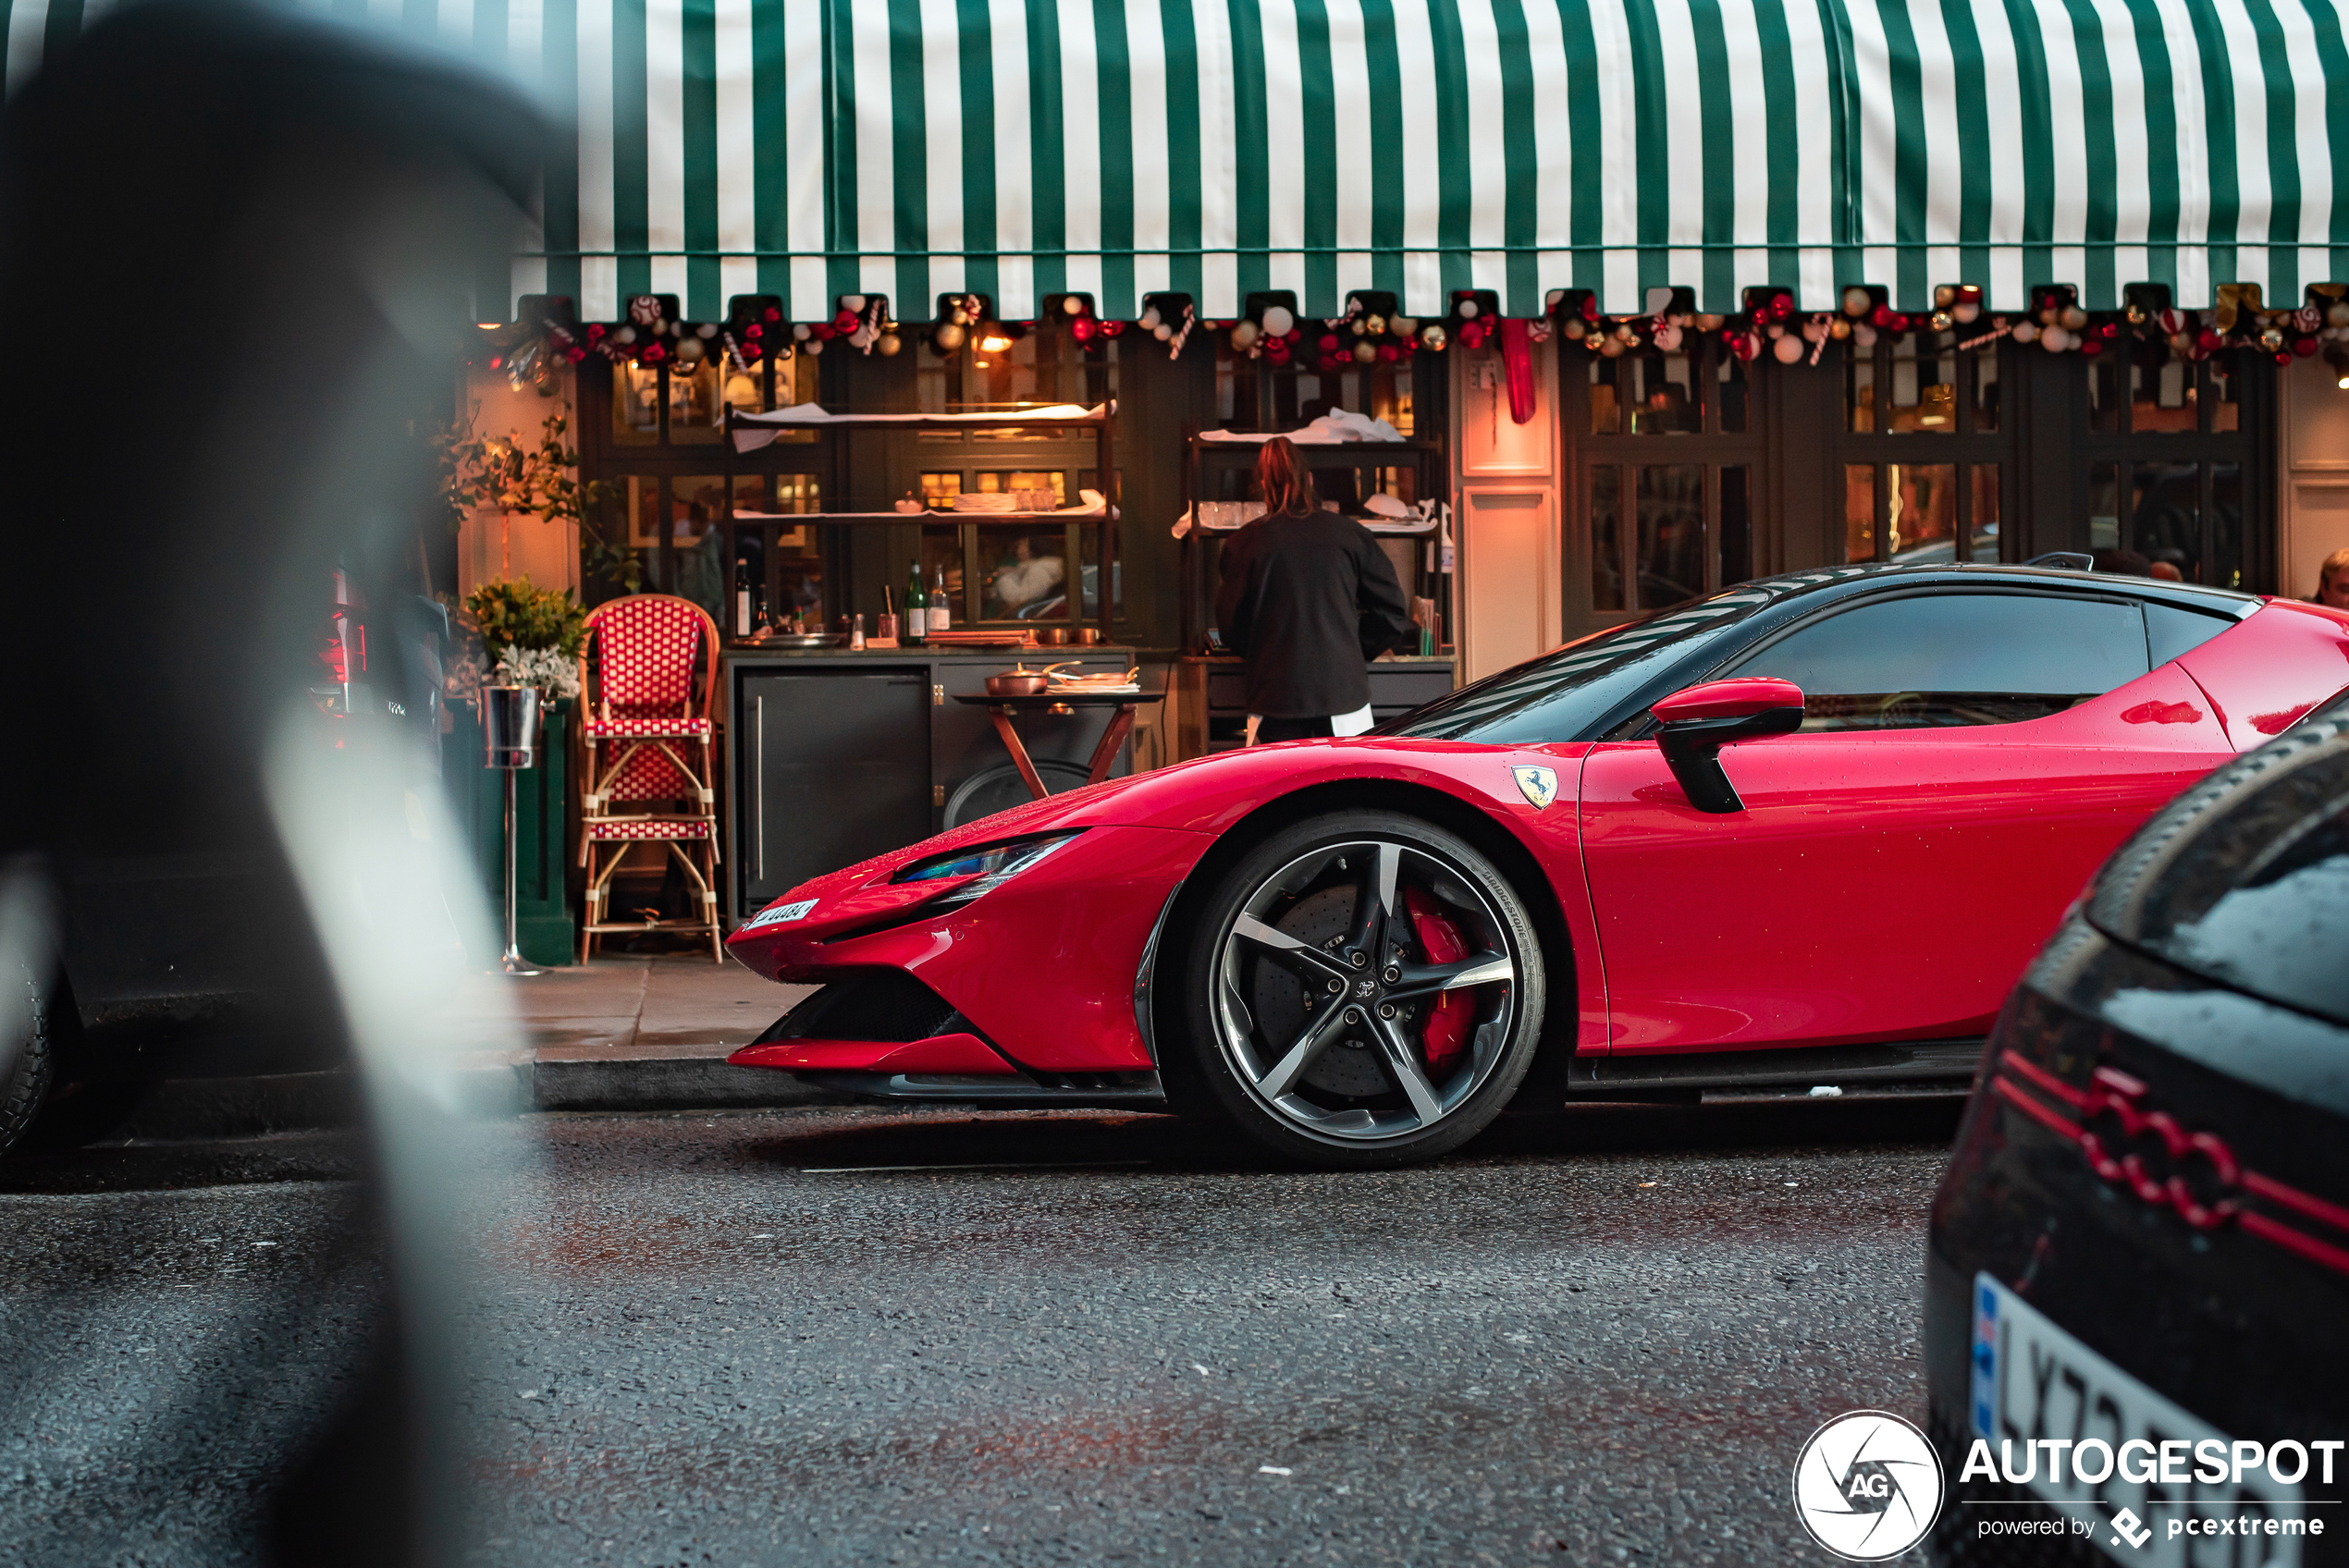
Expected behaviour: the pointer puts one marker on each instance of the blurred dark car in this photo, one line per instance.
(2142, 1238)
(187, 959)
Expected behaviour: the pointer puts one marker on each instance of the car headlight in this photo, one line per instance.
(987, 865)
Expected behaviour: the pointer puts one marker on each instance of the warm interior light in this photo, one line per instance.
(992, 345)
(489, 325)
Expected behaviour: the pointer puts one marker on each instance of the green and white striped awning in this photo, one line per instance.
(1218, 148)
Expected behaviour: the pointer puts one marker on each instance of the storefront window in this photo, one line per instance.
(1985, 390)
(1982, 524)
(635, 404)
(2226, 395)
(1671, 516)
(1737, 525)
(2162, 396)
(697, 504)
(694, 412)
(2226, 525)
(1606, 549)
(1859, 389)
(2165, 516)
(1923, 501)
(1923, 387)
(1089, 544)
(1025, 572)
(1859, 511)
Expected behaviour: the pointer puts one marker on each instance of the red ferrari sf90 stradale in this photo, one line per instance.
(1804, 831)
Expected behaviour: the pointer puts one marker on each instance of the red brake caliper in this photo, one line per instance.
(1448, 1021)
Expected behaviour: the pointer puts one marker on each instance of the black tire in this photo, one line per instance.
(1311, 1020)
(24, 1083)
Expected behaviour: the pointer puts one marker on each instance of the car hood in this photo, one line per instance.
(1207, 794)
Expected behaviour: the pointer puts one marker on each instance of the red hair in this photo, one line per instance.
(1288, 490)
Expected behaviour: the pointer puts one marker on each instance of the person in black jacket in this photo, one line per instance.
(1307, 599)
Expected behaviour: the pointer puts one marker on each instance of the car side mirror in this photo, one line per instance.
(1695, 723)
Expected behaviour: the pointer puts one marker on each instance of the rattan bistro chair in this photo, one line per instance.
(649, 777)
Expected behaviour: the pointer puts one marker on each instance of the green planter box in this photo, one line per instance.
(542, 923)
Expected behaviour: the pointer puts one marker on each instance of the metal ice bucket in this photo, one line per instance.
(512, 724)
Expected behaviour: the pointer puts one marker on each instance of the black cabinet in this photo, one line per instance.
(838, 757)
(836, 768)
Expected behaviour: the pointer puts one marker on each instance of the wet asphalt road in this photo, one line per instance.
(864, 1336)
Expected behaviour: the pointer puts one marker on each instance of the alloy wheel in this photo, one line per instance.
(1366, 990)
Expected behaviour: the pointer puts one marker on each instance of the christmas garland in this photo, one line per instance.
(652, 333)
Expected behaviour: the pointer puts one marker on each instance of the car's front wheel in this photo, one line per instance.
(1361, 989)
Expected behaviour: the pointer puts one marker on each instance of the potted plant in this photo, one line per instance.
(522, 675)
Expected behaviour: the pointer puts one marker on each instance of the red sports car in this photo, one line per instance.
(1807, 831)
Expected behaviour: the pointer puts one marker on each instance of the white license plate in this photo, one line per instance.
(778, 915)
(2033, 1379)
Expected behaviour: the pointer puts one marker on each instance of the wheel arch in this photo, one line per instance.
(1546, 1078)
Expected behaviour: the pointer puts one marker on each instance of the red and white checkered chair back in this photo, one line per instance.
(648, 650)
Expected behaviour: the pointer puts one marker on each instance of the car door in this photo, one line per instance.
(1967, 759)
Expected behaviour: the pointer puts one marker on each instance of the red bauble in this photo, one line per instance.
(2283, 356)
(1329, 343)
(845, 321)
(2092, 347)
(1589, 307)
(594, 330)
(1882, 318)
(1081, 329)
(2302, 347)
(1782, 307)
(823, 330)
(753, 332)
(654, 353)
(1109, 328)
(577, 354)
(1293, 337)
(773, 313)
(2210, 340)
(1388, 353)
(749, 356)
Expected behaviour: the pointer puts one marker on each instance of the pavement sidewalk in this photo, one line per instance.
(627, 1033)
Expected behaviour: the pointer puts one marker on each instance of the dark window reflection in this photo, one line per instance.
(1607, 548)
(1671, 513)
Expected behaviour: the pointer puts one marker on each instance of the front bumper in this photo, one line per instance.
(1040, 972)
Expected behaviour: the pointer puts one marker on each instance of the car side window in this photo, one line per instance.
(2170, 631)
(1931, 660)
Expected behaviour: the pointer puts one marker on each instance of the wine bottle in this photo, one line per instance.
(916, 607)
(742, 598)
(941, 615)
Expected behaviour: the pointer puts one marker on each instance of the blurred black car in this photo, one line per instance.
(185, 954)
(2142, 1238)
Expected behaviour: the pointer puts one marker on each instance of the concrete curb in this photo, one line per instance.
(231, 1108)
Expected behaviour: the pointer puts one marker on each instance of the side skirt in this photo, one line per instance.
(1915, 1064)
(1091, 1091)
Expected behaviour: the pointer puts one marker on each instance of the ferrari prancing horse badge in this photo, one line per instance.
(1539, 784)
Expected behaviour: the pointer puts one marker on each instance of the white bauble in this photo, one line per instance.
(1279, 322)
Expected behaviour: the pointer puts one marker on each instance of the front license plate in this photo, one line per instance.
(2033, 1380)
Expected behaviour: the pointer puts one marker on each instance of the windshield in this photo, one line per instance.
(1561, 695)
